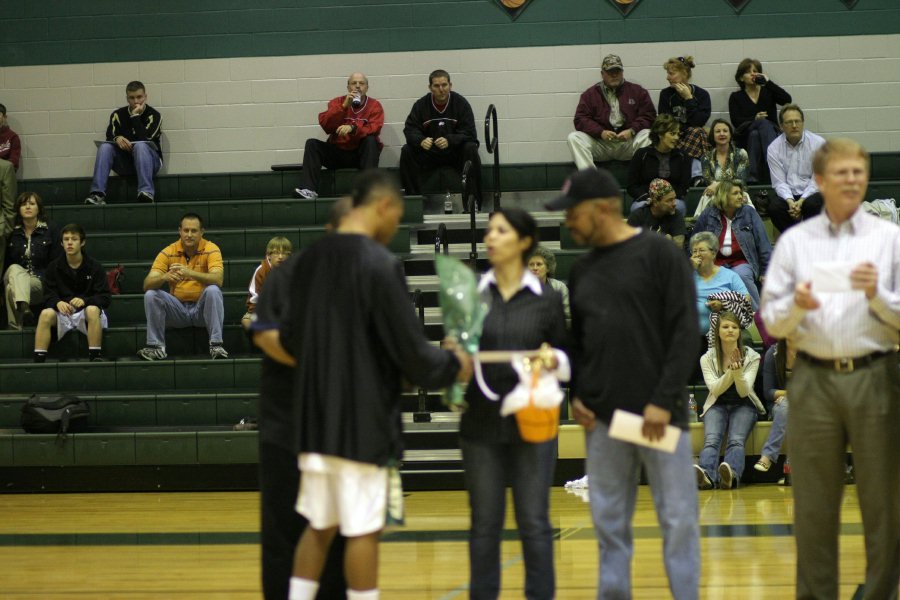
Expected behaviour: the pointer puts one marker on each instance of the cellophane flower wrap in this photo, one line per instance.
(463, 311)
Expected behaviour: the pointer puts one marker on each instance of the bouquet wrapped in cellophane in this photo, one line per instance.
(463, 310)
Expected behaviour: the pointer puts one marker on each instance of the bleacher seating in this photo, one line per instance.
(180, 412)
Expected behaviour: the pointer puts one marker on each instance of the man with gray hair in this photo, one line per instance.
(612, 119)
(352, 122)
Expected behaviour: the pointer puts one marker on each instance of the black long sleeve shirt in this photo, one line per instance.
(634, 327)
(88, 282)
(456, 123)
(355, 336)
(145, 127)
(523, 322)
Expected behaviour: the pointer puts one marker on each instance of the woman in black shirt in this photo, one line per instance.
(754, 114)
(523, 315)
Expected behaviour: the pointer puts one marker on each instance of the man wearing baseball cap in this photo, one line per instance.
(612, 119)
(634, 346)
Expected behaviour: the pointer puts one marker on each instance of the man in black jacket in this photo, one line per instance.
(75, 294)
(634, 345)
(440, 131)
(132, 146)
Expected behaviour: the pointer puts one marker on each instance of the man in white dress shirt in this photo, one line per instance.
(845, 386)
(790, 159)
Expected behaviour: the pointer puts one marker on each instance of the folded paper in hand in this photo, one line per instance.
(626, 427)
(831, 276)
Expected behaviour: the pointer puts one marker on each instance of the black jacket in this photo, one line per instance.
(146, 127)
(88, 282)
(456, 123)
(44, 248)
(644, 168)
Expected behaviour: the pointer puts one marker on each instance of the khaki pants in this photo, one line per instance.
(586, 149)
(20, 286)
(828, 410)
(8, 191)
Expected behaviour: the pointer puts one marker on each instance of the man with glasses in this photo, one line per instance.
(790, 165)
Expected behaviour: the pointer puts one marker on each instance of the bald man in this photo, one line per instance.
(352, 122)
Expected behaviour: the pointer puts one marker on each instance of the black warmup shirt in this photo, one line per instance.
(634, 327)
(276, 384)
(355, 335)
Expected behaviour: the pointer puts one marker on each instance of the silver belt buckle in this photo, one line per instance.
(843, 365)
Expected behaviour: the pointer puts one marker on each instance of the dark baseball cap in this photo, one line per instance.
(586, 184)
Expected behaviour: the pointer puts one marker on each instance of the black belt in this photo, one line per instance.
(845, 365)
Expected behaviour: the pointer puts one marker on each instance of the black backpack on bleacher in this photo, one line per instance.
(61, 414)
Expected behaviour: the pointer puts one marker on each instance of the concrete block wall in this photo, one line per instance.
(240, 86)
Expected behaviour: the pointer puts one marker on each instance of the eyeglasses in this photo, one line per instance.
(793, 122)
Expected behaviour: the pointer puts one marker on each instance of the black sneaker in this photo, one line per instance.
(145, 197)
(96, 198)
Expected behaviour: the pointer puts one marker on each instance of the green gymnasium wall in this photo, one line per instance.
(43, 32)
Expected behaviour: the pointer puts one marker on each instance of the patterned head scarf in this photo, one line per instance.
(659, 188)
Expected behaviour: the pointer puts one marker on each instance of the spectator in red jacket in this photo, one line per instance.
(10, 151)
(352, 123)
(612, 119)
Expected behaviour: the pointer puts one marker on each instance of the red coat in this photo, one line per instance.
(368, 120)
(10, 147)
(592, 114)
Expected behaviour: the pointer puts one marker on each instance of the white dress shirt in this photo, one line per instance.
(847, 324)
(791, 166)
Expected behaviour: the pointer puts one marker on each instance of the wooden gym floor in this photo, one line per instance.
(184, 546)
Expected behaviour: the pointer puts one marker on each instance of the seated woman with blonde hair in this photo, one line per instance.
(744, 245)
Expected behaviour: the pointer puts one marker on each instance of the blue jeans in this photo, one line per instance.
(762, 133)
(739, 419)
(613, 469)
(745, 272)
(776, 432)
(528, 468)
(165, 310)
(142, 161)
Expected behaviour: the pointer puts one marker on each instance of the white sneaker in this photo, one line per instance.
(305, 193)
(726, 476)
(217, 352)
(152, 353)
(577, 484)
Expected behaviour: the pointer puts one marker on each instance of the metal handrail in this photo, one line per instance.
(470, 204)
(441, 239)
(492, 141)
(421, 415)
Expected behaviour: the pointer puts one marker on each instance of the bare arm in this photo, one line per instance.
(269, 342)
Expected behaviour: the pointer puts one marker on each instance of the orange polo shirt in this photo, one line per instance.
(207, 259)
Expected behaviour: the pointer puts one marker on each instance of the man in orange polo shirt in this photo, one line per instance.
(193, 270)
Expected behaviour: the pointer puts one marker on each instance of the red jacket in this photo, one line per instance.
(368, 120)
(592, 114)
(10, 147)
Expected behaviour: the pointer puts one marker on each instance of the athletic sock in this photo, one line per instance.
(40, 356)
(362, 595)
(303, 589)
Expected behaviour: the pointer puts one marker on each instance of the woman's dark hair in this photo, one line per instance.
(22, 199)
(662, 125)
(743, 67)
(781, 364)
(525, 226)
(712, 138)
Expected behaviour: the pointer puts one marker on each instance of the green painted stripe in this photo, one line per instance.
(42, 32)
(401, 536)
